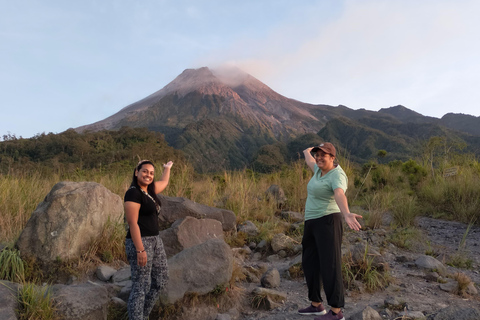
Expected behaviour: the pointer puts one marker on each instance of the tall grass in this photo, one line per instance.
(36, 303)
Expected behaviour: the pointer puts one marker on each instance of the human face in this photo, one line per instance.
(145, 175)
(324, 160)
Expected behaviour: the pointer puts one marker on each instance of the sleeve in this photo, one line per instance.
(340, 181)
(133, 195)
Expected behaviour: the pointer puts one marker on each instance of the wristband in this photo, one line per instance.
(141, 251)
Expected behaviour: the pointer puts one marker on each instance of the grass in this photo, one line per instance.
(35, 303)
(365, 271)
(12, 267)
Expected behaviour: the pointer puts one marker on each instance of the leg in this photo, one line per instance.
(329, 239)
(140, 282)
(311, 262)
(159, 275)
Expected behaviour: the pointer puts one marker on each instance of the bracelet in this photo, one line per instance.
(141, 251)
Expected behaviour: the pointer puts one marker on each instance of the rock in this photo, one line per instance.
(276, 193)
(267, 298)
(457, 312)
(394, 303)
(198, 270)
(65, 223)
(432, 276)
(262, 245)
(471, 289)
(249, 228)
(270, 279)
(223, 316)
(359, 250)
(449, 286)
(78, 302)
(122, 275)
(119, 302)
(8, 300)
(105, 273)
(125, 291)
(204, 312)
(282, 242)
(367, 314)
(292, 216)
(189, 232)
(417, 315)
(430, 263)
(175, 208)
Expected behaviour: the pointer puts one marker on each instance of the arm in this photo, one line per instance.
(132, 210)
(162, 183)
(309, 159)
(350, 218)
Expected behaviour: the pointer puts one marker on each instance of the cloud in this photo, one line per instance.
(373, 54)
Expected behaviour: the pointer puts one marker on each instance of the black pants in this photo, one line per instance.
(322, 259)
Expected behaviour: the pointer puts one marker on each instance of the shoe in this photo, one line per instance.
(312, 311)
(331, 316)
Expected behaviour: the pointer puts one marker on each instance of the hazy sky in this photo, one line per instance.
(64, 64)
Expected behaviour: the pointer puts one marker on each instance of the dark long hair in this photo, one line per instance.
(151, 186)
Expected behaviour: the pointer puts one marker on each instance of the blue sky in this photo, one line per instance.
(64, 64)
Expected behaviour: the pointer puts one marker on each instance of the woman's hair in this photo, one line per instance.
(151, 186)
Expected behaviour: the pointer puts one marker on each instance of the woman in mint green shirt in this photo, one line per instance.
(325, 209)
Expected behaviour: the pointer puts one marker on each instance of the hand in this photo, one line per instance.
(142, 258)
(351, 220)
(169, 164)
(308, 150)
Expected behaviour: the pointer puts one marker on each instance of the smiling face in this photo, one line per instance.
(324, 160)
(145, 175)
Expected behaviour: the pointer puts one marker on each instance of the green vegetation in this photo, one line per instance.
(35, 303)
(399, 190)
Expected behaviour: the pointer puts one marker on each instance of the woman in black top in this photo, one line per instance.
(143, 245)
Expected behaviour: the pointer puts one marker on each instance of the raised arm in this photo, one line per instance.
(162, 183)
(309, 159)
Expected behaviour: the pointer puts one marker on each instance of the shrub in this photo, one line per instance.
(11, 265)
(35, 303)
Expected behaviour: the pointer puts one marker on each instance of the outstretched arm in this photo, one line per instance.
(309, 159)
(350, 218)
(162, 183)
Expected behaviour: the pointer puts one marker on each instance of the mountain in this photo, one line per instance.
(223, 118)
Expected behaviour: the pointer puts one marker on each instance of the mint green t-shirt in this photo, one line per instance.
(320, 200)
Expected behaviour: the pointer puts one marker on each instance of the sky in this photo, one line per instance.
(64, 64)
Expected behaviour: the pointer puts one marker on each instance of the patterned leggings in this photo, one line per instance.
(147, 281)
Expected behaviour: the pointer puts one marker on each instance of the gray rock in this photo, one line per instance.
(417, 315)
(282, 242)
(189, 232)
(122, 275)
(105, 273)
(79, 302)
(270, 279)
(198, 270)
(292, 216)
(262, 245)
(119, 302)
(276, 193)
(449, 286)
(471, 289)
(223, 316)
(268, 298)
(125, 291)
(8, 300)
(457, 312)
(430, 263)
(249, 228)
(64, 224)
(367, 314)
(175, 208)
(360, 251)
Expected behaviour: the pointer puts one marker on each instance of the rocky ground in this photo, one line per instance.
(410, 286)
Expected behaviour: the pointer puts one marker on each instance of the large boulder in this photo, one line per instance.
(81, 302)
(198, 270)
(8, 300)
(280, 241)
(189, 232)
(63, 225)
(174, 208)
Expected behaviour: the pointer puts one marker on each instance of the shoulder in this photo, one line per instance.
(133, 194)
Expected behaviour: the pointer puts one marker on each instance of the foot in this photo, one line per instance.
(312, 310)
(331, 316)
